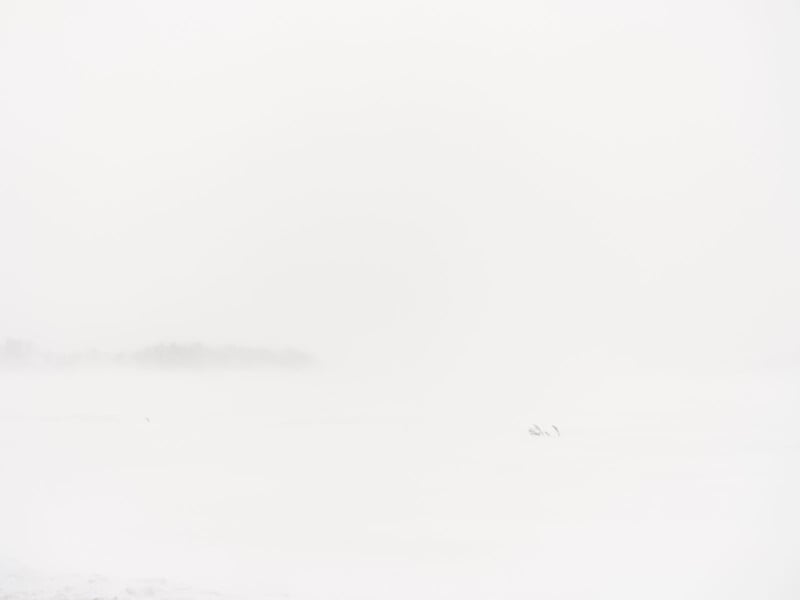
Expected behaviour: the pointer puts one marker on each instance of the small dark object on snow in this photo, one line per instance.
(537, 431)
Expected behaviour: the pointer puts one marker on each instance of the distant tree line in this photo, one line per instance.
(201, 355)
(16, 352)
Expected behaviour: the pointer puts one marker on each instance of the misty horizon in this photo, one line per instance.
(166, 355)
(428, 299)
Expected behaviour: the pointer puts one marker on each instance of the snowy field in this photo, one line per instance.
(126, 484)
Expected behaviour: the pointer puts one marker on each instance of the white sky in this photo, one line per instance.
(405, 185)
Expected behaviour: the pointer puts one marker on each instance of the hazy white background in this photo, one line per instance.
(476, 216)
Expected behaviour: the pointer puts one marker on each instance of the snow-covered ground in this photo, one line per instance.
(127, 484)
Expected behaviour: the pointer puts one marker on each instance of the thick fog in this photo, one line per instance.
(388, 300)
